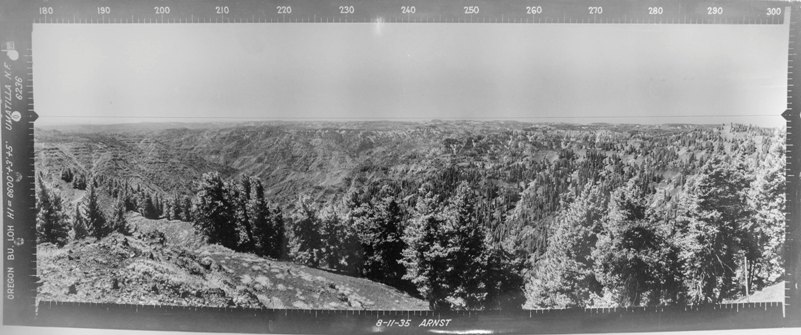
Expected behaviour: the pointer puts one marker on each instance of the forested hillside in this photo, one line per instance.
(537, 215)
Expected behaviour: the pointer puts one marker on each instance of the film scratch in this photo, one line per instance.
(401, 166)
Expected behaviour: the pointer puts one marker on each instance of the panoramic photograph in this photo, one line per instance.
(410, 167)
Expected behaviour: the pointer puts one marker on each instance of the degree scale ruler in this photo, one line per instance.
(21, 308)
(464, 11)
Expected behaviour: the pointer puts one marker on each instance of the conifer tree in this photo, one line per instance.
(427, 259)
(240, 199)
(175, 209)
(118, 222)
(383, 244)
(79, 227)
(156, 203)
(66, 175)
(146, 206)
(166, 209)
(469, 237)
(563, 276)
(342, 248)
(186, 209)
(259, 217)
(51, 221)
(95, 220)
(277, 244)
(635, 260)
(305, 242)
(447, 258)
(214, 215)
(718, 232)
(504, 278)
(767, 197)
(79, 182)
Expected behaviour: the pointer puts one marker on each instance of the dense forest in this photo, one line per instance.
(465, 215)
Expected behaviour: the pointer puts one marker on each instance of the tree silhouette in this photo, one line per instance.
(213, 213)
(381, 233)
(93, 216)
(51, 221)
(118, 222)
(718, 229)
(305, 242)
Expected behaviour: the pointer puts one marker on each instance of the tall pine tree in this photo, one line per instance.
(381, 232)
(447, 257)
(51, 221)
(563, 276)
(79, 228)
(241, 198)
(305, 242)
(214, 215)
(343, 250)
(95, 220)
(267, 225)
(718, 231)
(118, 223)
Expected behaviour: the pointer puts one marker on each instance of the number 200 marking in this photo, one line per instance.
(161, 9)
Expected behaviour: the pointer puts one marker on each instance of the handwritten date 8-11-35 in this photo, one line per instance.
(409, 323)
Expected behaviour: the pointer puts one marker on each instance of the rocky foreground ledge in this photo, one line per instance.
(146, 269)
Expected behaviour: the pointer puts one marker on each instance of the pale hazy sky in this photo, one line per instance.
(539, 72)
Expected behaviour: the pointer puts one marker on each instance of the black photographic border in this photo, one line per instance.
(18, 116)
